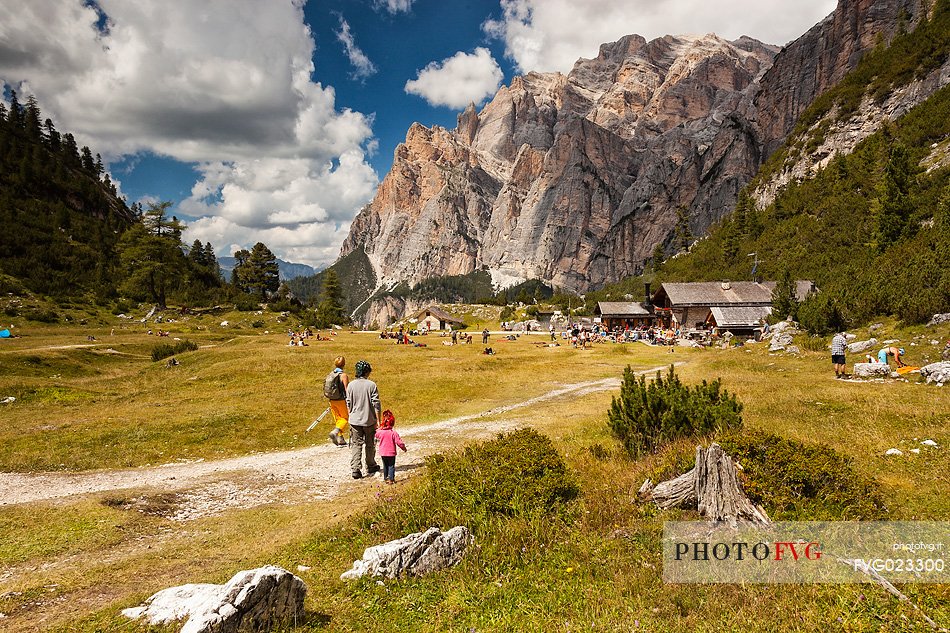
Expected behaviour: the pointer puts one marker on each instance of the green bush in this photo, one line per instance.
(257, 324)
(517, 474)
(820, 314)
(43, 315)
(649, 414)
(797, 481)
(165, 350)
(247, 303)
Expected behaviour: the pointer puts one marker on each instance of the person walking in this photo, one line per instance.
(839, 343)
(388, 440)
(334, 388)
(362, 400)
(485, 336)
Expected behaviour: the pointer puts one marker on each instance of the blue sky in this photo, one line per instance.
(275, 120)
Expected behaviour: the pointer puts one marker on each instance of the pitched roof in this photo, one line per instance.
(717, 293)
(622, 309)
(746, 316)
(441, 315)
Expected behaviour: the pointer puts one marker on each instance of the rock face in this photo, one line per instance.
(257, 599)
(936, 372)
(574, 179)
(418, 554)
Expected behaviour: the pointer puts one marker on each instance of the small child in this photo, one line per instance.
(388, 439)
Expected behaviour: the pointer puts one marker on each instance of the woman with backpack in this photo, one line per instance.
(334, 389)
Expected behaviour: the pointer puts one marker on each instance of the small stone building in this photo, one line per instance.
(433, 318)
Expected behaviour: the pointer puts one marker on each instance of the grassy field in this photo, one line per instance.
(96, 404)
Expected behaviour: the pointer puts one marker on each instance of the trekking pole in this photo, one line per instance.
(317, 421)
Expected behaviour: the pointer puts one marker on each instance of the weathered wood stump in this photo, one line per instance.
(712, 485)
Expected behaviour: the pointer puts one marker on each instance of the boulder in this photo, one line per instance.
(780, 340)
(793, 349)
(257, 599)
(874, 328)
(939, 319)
(936, 372)
(871, 370)
(859, 347)
(413, 555)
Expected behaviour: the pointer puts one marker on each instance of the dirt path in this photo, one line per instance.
(318, 472)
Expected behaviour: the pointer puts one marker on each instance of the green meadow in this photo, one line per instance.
(590, 563)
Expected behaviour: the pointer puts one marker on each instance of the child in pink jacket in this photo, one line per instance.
(388, 439)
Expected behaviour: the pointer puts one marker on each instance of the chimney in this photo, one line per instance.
(646, 294)
(726, 285)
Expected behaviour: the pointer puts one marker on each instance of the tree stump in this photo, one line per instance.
(712, 485)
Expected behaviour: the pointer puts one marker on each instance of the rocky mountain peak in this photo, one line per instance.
(574, 179)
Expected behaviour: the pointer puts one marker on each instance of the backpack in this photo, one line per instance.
(333, 387)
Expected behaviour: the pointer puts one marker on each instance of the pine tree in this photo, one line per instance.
(683, 235)
(784, 302)
(257, 271)
(331, 310)
(893, 205)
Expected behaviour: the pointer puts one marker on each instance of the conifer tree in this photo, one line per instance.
(330, 309)
(257, 271)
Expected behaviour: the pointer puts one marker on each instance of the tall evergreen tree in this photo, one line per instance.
(784, 301)
(893, 205)
(684, 236)
(257, 272)
(330, 309)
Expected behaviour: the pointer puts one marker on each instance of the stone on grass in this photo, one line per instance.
(413, 555)
(929, 443)
(793, 349)
(780, 341)
(893, 451)
(936, 372)
(859, 347)
(265, 598)
(938, 319)
(871, 370)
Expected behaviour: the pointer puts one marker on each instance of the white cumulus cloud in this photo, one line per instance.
(550, 35)
(459, 80)
(225, 84)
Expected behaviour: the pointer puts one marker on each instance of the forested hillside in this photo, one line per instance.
(60, 216)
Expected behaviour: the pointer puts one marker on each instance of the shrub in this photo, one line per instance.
(820, 314)
(517, 474)
(43, 315)
(165, 350)
(798, 481)
(247, 303)
(648, 414)
(257, 324)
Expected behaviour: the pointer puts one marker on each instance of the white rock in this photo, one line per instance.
(936, 372)
(929, 443)
(268, 597)
(224, 324)
(915, 451)
(893, 451)
(859, 347)
(8, 400)
(416, 554)
(871, 370)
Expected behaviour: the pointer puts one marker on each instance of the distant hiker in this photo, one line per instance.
(839, 343)
(551, 330)
(388, 440)
(334, 390)
(362, 400)
(897, 353)
(485, 336)
(455, 336)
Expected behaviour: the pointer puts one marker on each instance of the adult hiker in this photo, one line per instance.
(485, 336)
(896, 352)
(334, 389)
(839, 343)
(362, 400)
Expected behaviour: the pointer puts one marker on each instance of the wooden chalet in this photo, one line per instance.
(689, 305)
(433, 318)
(744, 321)
(624, 314)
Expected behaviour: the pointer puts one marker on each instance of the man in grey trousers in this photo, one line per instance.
(362, 399)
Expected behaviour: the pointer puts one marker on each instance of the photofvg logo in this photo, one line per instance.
(806, 552)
